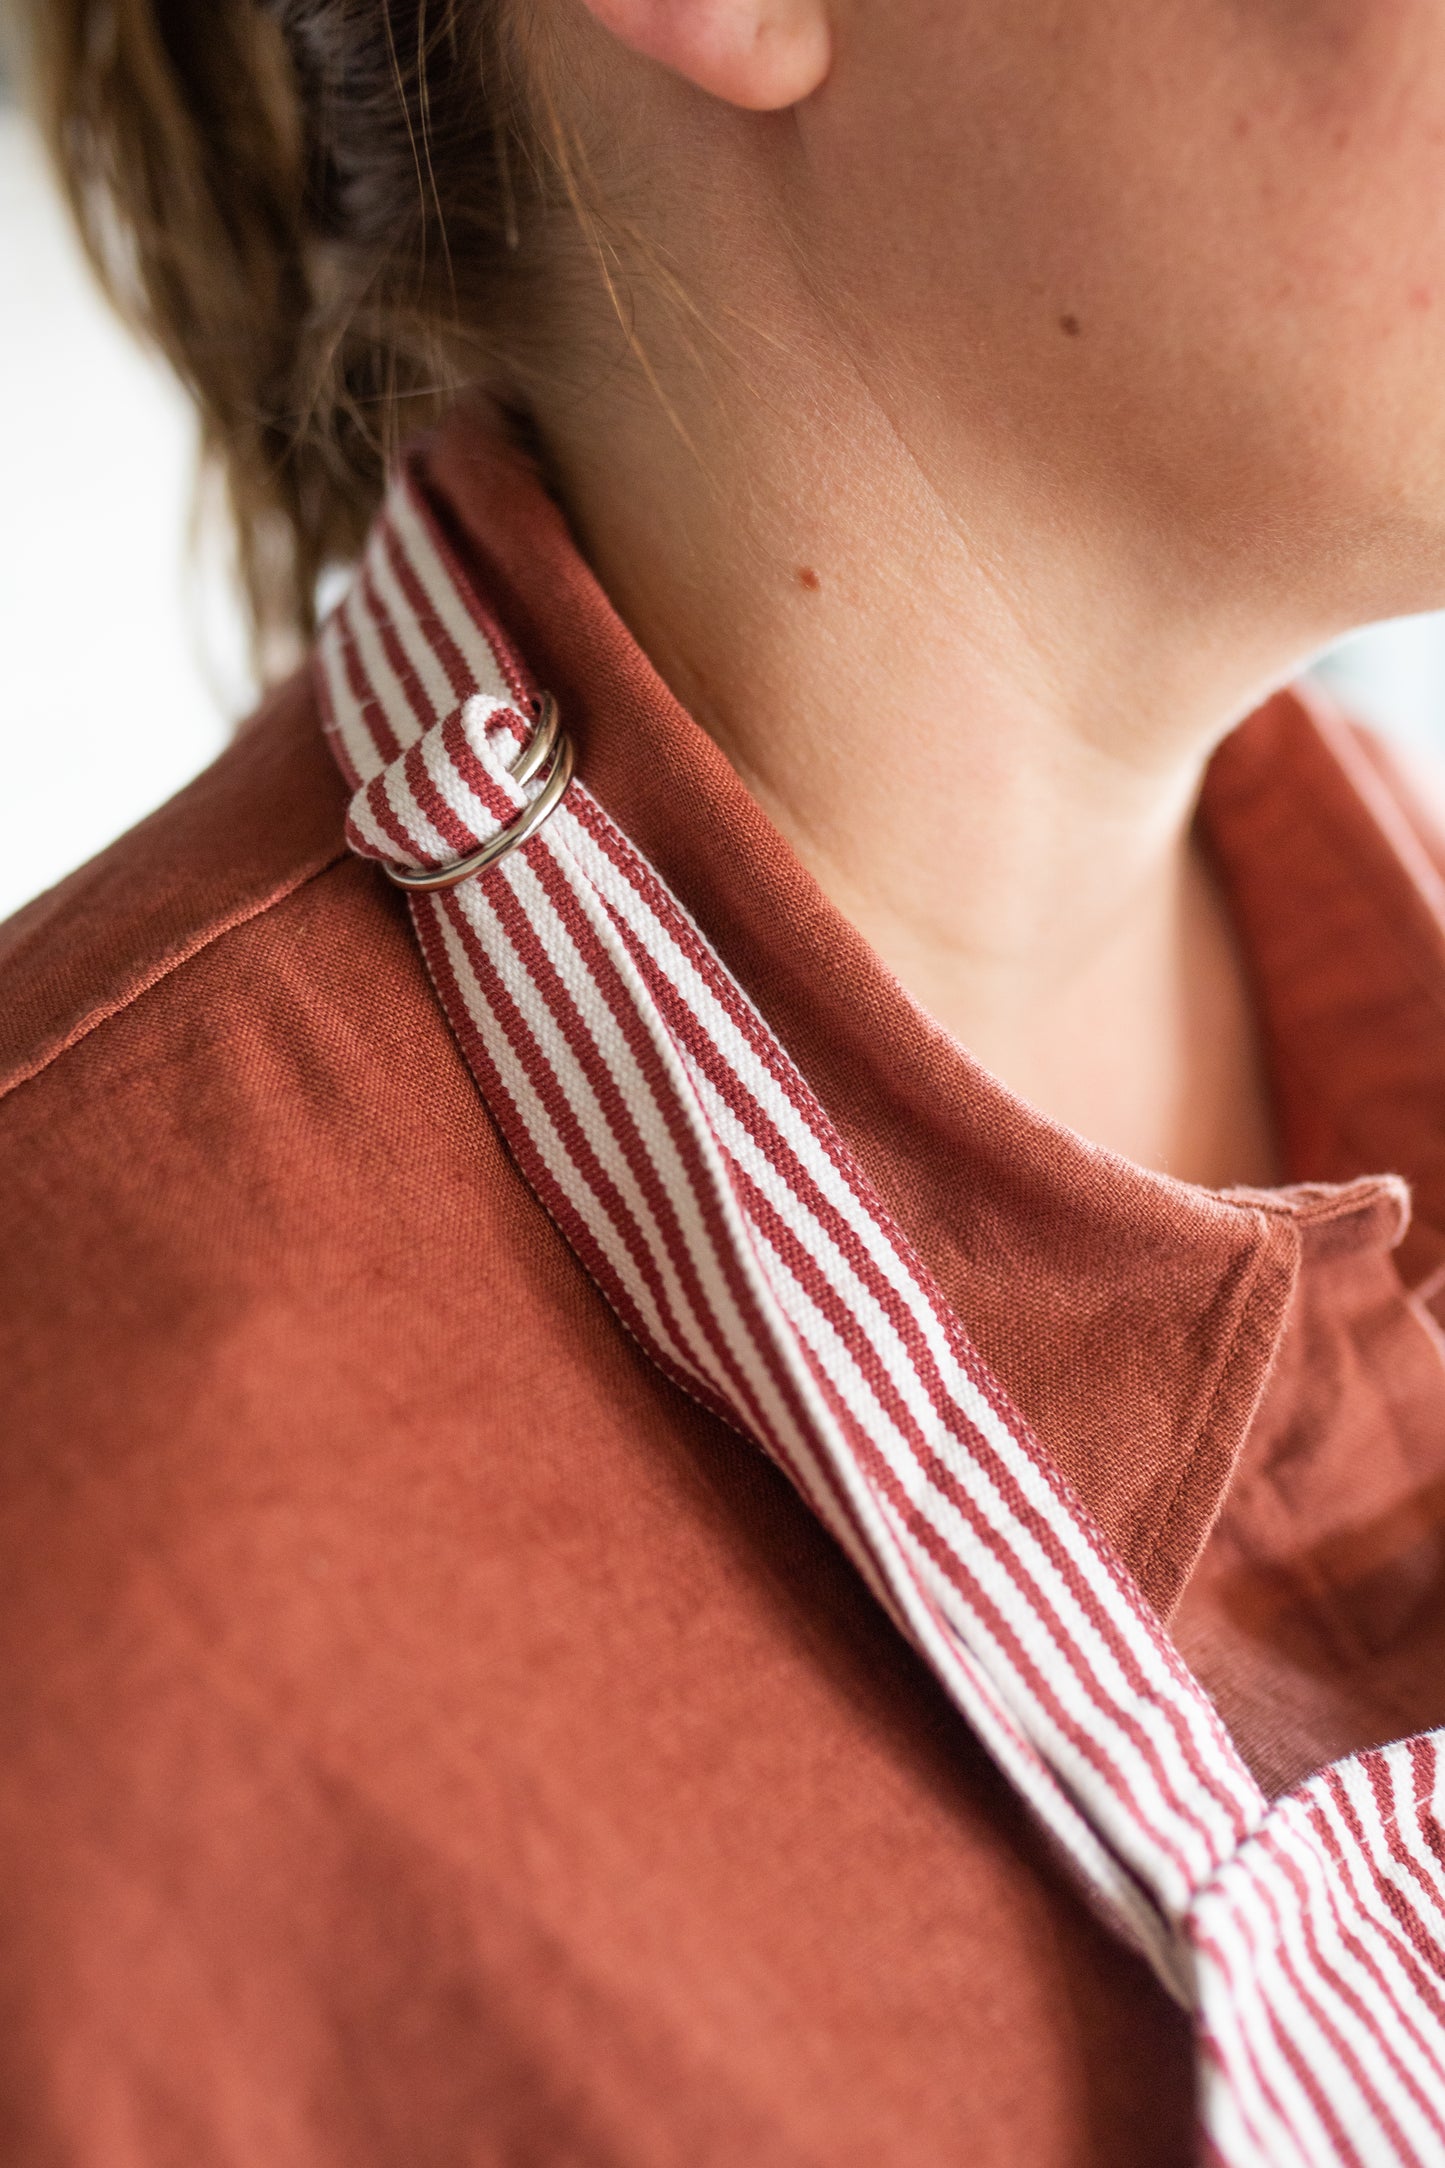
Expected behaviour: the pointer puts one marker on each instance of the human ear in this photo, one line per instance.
(759, 54)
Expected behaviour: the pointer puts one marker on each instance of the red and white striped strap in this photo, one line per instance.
(705, 1190)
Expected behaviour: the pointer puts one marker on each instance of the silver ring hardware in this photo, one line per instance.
(548, 739)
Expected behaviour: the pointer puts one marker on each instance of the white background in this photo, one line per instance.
(106, 703)
(120, 671)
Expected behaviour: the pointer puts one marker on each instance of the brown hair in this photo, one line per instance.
(316, 209)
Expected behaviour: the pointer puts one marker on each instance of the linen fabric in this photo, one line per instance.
(430, 1737)
(702, 1187)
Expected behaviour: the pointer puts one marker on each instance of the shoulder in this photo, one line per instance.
(205, 1033)
(253, 828)
(228, 1102)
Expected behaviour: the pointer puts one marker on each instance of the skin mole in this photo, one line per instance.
(1070, 326)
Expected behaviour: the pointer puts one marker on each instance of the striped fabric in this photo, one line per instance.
(705, 1190)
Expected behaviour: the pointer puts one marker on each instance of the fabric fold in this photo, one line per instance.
(705, 1190)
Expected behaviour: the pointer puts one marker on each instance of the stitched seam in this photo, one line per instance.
(103, 1015)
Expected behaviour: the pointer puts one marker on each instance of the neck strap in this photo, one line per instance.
(706, 1192)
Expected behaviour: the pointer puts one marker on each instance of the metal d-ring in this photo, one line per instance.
(548, 738)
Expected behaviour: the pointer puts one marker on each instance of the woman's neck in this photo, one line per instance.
(978, 714)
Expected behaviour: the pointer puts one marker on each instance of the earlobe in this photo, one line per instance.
(759, 54)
